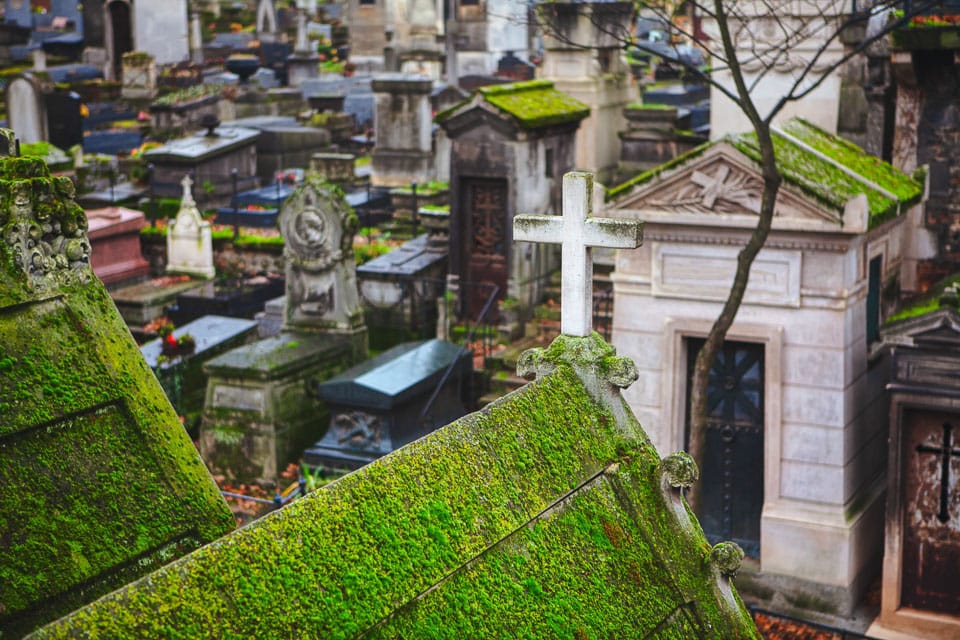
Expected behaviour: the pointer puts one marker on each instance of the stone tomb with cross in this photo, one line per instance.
(261, 411)
(921, 593)
(796, 435)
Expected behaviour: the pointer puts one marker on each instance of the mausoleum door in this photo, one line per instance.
(731, 479)
(931, 512)
(121, 34)
(485, 239)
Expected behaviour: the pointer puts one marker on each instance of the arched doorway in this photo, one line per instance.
(119, 35)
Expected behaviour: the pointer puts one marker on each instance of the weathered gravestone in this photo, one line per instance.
(404, 126)
(189, 239)
(26, 108)
(260, 411)
(98, 482)
(547, 514)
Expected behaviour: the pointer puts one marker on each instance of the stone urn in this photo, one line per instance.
(242, 64)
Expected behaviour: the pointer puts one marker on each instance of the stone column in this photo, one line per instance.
(403, 122)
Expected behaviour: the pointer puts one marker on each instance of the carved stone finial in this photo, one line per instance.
(680, 470)
(43, 229)
(187, 183)
(726, 557)
(589, 353)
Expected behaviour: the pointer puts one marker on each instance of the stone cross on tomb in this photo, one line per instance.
(577, 231)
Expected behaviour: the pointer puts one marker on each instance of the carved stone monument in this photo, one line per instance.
(261, 411)
(189, 239)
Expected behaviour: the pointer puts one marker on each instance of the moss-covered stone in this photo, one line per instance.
(99, 483)
(888, 190)
(544, 515)
(533, 104)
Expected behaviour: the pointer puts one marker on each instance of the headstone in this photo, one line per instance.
(189, 240)
(139, 76)
(211, 158)
(26, 109)
(261, 410)
(388, 402)
(100, 483)
(115, 244)
(19, 12)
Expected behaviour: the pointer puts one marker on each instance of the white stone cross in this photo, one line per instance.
(577, 231)
(187, 192)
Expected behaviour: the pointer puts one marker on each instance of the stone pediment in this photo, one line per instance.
(722, 187)
(937, 331)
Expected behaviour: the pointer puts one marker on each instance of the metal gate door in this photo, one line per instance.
(731, 480)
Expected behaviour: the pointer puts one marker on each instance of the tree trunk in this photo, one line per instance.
(718, 332)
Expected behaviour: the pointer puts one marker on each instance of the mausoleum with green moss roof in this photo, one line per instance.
(99, 483)
(796, 472)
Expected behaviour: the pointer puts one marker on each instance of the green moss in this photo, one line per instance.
(510, 522)
(646, 176)
(535, 103)
(650, 106)
(926, 303)
(829, 184)
(101, 484)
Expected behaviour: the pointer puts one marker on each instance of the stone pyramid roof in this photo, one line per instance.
(547, 514)
(99, 483)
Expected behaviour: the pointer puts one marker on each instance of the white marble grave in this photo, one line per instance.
(189, 239)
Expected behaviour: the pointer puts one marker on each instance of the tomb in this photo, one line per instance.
(100, 483)
(653, 136)
(181, 374)
(261, 412)
(482, 32)
(400, 290)
(481, 528)
(240, 297)
(189, 239)
(114, 235)
(797, 431)
(210, 158)
(388, 402)
(511, 145)
(27, 107)
(597, 76)
(920, 592)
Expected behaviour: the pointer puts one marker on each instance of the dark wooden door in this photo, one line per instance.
(731, 480)
(121, 26)
(485, 255)
(931, 512)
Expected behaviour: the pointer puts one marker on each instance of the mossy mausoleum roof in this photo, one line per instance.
(99, 483)
(826, 167)
(532, 105)
(546, 515)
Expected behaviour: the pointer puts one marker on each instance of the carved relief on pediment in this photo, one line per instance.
(717, 187)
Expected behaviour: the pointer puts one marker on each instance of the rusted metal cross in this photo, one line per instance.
(577, 231)
(946, 451)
